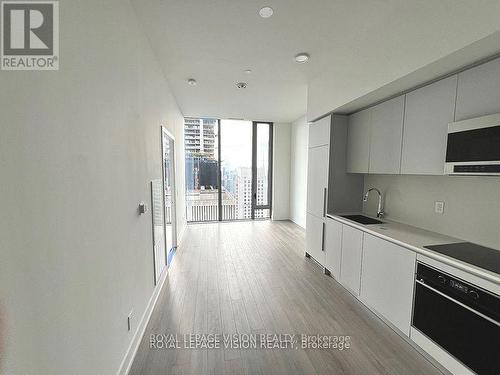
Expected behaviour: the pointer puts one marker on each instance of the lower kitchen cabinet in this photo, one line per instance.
(333, 246)
(315, 228)
(387, 280)
(350, 265)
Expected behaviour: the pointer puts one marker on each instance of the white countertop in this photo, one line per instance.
(415, 239)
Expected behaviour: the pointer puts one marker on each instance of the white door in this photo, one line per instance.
(352, 249)
(315, 238)
(169, 199)
(317, 180)
(386, 136)
(159, 241)
(333, 246)
(477, 91)
(358, 142)
(387, 279)
(428, 111)
(319, 132)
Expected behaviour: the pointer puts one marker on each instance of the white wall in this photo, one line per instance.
(472, 204)
(281, 171)
(299, 141)
(78, 148)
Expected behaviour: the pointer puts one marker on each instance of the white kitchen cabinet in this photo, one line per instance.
(333, 246)
(317, 180)
(315, 228)
(350, 265)
(319, 132)
(478, 92)
(358, 142)
(386, 136)
(428, 111)
(387, 280)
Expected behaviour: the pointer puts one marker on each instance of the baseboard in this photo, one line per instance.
(141, 328)
(296, 222)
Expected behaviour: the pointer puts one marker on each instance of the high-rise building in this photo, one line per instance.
(243, 192)
(199, 136)
(201, 173)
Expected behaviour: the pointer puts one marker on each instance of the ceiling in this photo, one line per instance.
(356, 47)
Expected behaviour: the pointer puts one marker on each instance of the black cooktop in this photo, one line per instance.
(479, 256)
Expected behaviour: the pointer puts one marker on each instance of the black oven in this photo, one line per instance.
(461, 318)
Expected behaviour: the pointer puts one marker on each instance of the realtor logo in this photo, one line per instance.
(30, 35)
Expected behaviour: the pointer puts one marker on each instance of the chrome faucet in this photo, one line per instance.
(380, 210)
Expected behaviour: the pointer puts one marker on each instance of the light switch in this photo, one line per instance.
(439, 207)
(143, 208)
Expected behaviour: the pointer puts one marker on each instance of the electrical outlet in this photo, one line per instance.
(439, 207)
(129, 321)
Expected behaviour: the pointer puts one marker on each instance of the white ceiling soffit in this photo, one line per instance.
(356, 47)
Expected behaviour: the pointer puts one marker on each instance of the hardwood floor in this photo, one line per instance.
(252, 277)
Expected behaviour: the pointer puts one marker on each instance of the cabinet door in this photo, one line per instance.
(319, 132)
(317, 180)
(478, 91)
(314, 238)
(387, 280)
(333, 246)
(428, 112)
(358, 142)
(350, 266)
(387, 136)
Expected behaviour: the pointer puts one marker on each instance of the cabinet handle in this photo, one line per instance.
(323, 237)
(324, 201)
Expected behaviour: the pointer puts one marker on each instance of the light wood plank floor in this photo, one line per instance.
(252, 277)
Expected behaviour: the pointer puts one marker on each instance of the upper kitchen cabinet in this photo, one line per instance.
(428, 112)
(319, 132)
(386, 136)
(358, 142)
(344, 190)
(478, 92)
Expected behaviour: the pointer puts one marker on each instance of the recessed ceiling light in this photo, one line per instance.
(191, 82)
(302, 58)
(266, 12)
(241, 85)
(248, 71)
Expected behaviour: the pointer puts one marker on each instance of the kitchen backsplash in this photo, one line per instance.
(471, 204)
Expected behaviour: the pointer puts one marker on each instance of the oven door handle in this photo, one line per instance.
(458, 302)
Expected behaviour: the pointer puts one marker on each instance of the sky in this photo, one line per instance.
(236, 143)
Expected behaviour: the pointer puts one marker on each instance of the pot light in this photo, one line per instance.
(241, 85)
(302, 58)
(266, 12)
(192, 82)
(247, 71)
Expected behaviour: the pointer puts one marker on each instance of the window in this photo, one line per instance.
(228, 169)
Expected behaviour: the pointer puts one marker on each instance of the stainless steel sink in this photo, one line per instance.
(361, 219)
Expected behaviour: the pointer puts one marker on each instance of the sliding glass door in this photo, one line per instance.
(236, 169)
(262, 170)
(240, 157)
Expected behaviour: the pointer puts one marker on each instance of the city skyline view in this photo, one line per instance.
(202, 169)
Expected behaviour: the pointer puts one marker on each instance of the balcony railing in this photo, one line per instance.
(203, 206)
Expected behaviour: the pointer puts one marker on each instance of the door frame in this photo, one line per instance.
(165, 132)
(269, 204)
